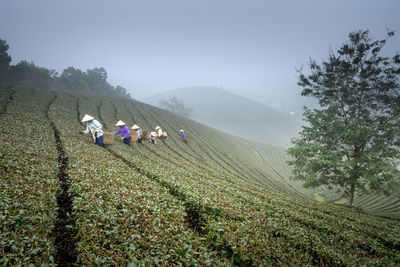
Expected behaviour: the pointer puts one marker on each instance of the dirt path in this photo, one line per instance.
(64, 226)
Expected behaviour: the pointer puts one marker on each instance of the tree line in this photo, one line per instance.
(71, 79)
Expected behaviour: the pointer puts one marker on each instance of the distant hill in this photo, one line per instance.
(235, 114)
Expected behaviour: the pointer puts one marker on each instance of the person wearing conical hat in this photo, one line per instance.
(95, 128)
(138, 131)
(159, 132)
(182, 135)
(152, 137)
(124, 131)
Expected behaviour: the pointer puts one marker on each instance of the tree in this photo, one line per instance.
(176, 106)
(352, 140)
(97, 81)
(74, 80)
(5, 59)
(121, 91)
(28, 74)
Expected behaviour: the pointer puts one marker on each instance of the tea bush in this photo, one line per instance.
(216, 201)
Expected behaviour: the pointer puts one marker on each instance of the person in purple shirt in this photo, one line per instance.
(124, 131)
(183, 136)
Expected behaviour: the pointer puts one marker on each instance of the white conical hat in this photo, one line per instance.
(181, 130)
(153, 134)
(135, 127)
(157, 127)
(87, 118)
(120, 123)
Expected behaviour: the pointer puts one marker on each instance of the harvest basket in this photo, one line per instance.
(187, 139)
(145, 135)
(108, 138)
(165, 134)
(133, 137)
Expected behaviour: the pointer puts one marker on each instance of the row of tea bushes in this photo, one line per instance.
(313, 249)
(28, 184)
(121, 215)
(312, 240)
(206, 203)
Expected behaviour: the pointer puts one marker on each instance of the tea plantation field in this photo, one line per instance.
(217, 201)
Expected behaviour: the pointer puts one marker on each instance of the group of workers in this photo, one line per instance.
(95, 128)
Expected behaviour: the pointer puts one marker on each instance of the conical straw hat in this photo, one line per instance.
(120, 123)
(153, 134)
(135, 127)
(87, 118)
(158, 127)
(181, 130)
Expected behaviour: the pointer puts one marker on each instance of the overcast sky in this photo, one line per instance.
(149, 46)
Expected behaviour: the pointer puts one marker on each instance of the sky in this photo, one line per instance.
(251, 47)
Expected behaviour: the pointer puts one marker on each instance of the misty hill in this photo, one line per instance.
(220, 200)
(235, 114)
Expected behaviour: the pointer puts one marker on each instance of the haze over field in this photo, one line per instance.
(235, 114)
(250, 47)
(86, 181)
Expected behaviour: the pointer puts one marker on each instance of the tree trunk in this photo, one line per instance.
(351, 197)
(356, 155)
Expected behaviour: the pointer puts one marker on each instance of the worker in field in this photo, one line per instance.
(94, 127)
(152, 137)
(182, 135)
(138, 132)
(124, 131)
(159, 132)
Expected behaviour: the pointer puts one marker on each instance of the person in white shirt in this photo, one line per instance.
(159, 132)
(138, 131)
(152, 137)
(95, 128)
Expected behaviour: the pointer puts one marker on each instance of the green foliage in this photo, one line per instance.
(352, 140)
(29, 75)
(121, 91)
(5, 59)
(73, 79)
(206, 203)
(97, 79)
(28, 160)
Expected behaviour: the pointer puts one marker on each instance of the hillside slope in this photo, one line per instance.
(218, 201)
(235, 114)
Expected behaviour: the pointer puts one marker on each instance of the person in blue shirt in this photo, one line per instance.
(124, 131)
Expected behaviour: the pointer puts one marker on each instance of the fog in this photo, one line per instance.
(249, 47)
